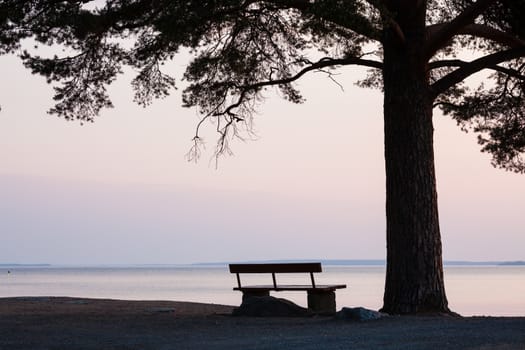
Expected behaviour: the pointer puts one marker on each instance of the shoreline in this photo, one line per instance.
(86, 323)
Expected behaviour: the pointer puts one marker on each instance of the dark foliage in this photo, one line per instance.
(241, 48)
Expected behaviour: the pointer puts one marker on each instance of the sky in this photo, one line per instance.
(311, 186)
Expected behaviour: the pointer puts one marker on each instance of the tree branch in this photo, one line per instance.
(437, 39)
(487, 32)
(459, 63)
(322, 63)
(466, 70)
(359, 24)
(244, 91)
(482, 31)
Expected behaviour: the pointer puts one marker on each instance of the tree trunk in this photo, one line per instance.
(414, 276)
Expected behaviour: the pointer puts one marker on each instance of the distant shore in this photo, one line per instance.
(81, 323)
(372, 262)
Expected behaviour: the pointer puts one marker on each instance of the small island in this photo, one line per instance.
(512, 263)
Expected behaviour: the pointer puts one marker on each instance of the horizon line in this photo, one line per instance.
(329, 262)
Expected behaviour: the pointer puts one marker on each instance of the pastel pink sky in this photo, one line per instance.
(120, 191)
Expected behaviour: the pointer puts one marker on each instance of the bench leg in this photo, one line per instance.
(321, 302)
(262, 293)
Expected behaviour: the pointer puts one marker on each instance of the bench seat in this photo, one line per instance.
(292, 287)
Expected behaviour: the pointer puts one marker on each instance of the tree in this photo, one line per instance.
(241, 48)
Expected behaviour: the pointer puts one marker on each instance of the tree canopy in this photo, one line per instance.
(242, 48)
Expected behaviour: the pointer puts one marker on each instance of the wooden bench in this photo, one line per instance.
(321, 298)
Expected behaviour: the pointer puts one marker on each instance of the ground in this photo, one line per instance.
(82, 324)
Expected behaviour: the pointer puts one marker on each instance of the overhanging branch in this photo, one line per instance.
(439, 36)
(466, 70)
(229, 115)
(485, 32)
(322, 63)
(459, 63)
(360, 24)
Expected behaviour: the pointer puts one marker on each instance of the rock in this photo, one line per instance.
(267, 306)
(358, 314)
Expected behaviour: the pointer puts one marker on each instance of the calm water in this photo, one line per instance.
(487, 290)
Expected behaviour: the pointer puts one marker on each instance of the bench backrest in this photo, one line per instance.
(276, 268)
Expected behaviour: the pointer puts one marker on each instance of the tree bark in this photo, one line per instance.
(414, 277)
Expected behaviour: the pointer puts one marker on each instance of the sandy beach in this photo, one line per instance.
(77, 323)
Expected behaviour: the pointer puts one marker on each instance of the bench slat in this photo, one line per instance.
(276, 268)
(294, 287)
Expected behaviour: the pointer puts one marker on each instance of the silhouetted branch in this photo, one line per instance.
(245, 94)
(358, 23)
(439, 36)
(482, 31)
(465, 70)
(459, 63)
(322, 63)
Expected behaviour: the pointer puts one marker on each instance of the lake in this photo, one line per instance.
(471, 290)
